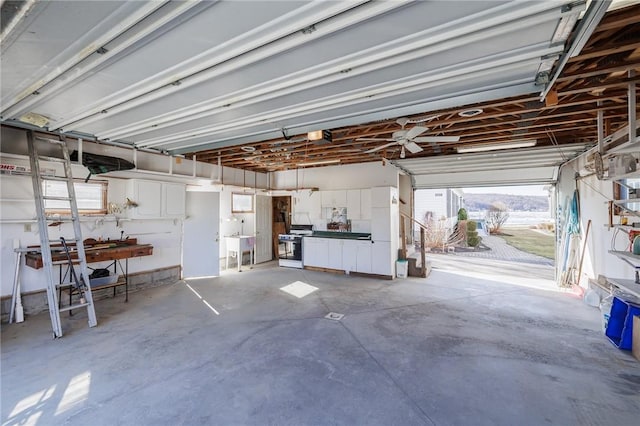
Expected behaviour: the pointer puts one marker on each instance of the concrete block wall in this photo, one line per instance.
(36, 302)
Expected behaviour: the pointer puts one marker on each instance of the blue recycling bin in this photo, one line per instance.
(620, 325)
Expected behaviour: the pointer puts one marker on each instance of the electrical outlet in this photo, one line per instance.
(27, 227)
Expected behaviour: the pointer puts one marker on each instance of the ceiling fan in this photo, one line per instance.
(409, 139)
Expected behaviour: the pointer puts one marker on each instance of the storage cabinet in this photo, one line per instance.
(335, 254)
(353, 204)
(334, 198)
(365, 204)
(156, 199)
(349, 255)
(315, 252)
(306, 207)
(382, 259)
(363, 256)
(381, 224)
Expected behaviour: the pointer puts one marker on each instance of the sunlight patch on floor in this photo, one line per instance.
(299, 289)
(28, 405)
(76, 392)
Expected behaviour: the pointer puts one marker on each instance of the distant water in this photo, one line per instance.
(520, 218)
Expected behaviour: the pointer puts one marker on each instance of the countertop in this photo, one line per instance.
(341, 235)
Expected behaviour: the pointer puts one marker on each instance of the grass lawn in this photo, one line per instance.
(530, 241)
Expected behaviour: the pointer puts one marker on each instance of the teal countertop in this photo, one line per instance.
(341, 235)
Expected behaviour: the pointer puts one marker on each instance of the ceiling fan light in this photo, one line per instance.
(402, 153)
(497, 146)
(471, 112)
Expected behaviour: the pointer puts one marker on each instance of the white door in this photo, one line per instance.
(200, 241)
(264, 247)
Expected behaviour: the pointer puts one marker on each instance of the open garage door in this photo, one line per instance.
(529, 166)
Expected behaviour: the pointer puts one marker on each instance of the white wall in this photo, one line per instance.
(594, 195)
(17, 207)
(348, 176)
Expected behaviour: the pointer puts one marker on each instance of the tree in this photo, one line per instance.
(473, 239)
(496, 216)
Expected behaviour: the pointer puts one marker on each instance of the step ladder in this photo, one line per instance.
(83, 287)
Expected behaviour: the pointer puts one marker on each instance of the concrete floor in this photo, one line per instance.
(455, 349)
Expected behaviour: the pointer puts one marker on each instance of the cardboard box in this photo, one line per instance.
(635, 340)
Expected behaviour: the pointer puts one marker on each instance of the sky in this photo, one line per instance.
(514, 190)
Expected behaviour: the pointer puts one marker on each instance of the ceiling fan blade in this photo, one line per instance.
(413, 147)
(415, 131)
(375, 139)
(437, 139)
(378, 148)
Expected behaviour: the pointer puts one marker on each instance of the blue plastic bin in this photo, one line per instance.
(620, 326)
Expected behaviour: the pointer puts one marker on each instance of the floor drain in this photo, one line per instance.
(333, 316)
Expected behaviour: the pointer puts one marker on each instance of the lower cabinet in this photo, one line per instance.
(335, 254)
(381, 258)
(348, 255)
(315, 252)
(363, 256)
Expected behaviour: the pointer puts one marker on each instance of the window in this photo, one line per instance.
(241, 203)
(91, 197)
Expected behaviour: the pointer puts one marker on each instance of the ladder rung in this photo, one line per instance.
(49, 197)
(66, 240)
(53, 141)
(52, 159)
(56, 178)
(78, 306)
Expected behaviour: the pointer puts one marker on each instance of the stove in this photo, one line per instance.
(290, 246)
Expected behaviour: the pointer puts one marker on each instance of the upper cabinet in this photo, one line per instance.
(365, 204)
(306, 207)
(354, 204)
(156, 199)
(336, 198)
(384, 196)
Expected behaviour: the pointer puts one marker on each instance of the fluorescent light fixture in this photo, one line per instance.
(318, 163)
(315, 135)
(497, 146)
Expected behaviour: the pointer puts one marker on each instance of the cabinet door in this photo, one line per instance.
(381, 224)
(173, 200)
(328, 198)
(349, 255)
(340, 198)
(381, 259)
(353, 204)
(365, 204)
(363, 256)
(335, 254)
(148, 195)
(316, 252)
(381, 197)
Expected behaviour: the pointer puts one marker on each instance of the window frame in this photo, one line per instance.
(233, 202)
(85, 212)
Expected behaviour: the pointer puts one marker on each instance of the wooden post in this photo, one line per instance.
(423, 256)
(403, 234)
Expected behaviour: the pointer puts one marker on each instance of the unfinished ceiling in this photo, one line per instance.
(210, 77)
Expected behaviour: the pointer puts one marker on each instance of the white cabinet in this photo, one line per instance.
(156, 199)
(353, 204)
(381, 258)
(349, 255)
(381, 224)
(334, 198)
(315, 252)
(173, 200)
(306, 207)
(363, 256)
(148, 197)
(335, 254)
(365, 204)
